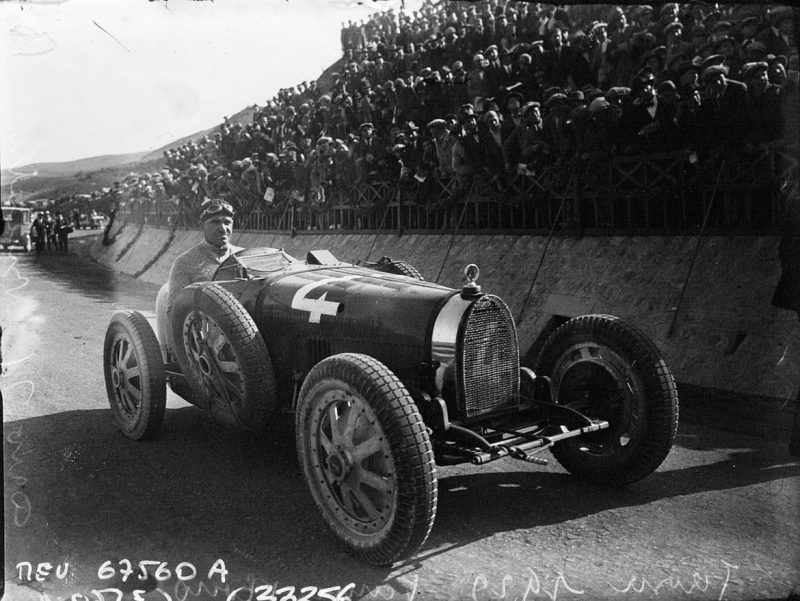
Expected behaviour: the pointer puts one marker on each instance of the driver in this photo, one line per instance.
(199, 263)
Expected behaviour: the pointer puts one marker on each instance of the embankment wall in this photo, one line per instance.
(727, 339)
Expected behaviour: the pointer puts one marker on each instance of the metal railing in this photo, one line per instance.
(647, 193)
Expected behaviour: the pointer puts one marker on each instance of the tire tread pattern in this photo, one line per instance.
(408, 436)
(151, 365)
(662, 407)
(243, 335)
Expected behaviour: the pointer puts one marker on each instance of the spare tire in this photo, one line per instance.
(388, 265)
(223, 356)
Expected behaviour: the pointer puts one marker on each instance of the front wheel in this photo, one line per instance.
(134, 373)
(607, 369)
(366, 457)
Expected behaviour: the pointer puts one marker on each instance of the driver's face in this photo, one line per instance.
(217, 230)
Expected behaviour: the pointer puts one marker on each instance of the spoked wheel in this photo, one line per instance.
(134, 373)
(609, 370)
(366, 457)
(223, 356)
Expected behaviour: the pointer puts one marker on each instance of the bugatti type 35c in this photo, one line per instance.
(389, 376)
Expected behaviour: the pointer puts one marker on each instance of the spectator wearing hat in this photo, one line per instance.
(368, 153)
(674, 45)
(477, 86)
(443, 144)
(320, 169)
(598, 51)
(649, 125)
(199, 263)
(748, 29)
(49, 231)
(581, 73)
(491, 137)
(558, 61)
(523, 79)
(777, 38)
(512, 115)
(764, 104)
(642, 18)
(724, 109)
(555, 127)
(601, 137)
(667, 15)
(468, 150)
(526, 147)
(495, 73)
(726, 47)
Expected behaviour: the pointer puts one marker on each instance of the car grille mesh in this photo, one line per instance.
(488, 358)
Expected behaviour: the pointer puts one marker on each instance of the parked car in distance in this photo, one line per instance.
(17, 227)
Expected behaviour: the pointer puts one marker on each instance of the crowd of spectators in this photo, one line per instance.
(500, 90)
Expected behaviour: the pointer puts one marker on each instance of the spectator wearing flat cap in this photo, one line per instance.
(512, 115)
(555, 127)
(523, 79)
(492, 141)
(526, 146)
(495, 72)
(443, 142)
(748, 29)
(764, 104)
(368, 153)
(724, 109)
(477, 86)
(778, 37)
(649, 124)
(468, 156)
(674, 44)
(558, 61)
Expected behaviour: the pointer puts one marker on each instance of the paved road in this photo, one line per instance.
(718, 520)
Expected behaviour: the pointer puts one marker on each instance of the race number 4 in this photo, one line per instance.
(317, 307)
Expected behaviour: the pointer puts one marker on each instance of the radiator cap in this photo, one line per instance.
(471, 289)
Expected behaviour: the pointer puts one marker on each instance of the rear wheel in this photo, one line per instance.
(134, 374)
(366, 457)
(223, 356)
(608, 369)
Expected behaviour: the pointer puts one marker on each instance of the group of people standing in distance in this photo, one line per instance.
(50, 232)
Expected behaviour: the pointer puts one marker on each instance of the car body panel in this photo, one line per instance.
(307, 314)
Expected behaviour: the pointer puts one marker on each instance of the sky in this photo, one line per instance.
(82, 78)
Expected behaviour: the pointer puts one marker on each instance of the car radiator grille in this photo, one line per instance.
(487, 372)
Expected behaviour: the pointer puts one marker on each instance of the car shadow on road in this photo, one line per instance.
(198, 492)
(195, 493)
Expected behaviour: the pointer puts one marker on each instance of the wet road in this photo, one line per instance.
(718, 520)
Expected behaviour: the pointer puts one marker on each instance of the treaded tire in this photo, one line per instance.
(388, 265)
(230, 374)
(366, 457)
(608, 369)
(134, 374)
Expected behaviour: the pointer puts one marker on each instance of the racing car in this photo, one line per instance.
(387, 377)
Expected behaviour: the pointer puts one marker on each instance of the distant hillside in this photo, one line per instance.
(54, 180)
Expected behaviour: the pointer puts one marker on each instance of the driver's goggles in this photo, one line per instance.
(215, 207)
